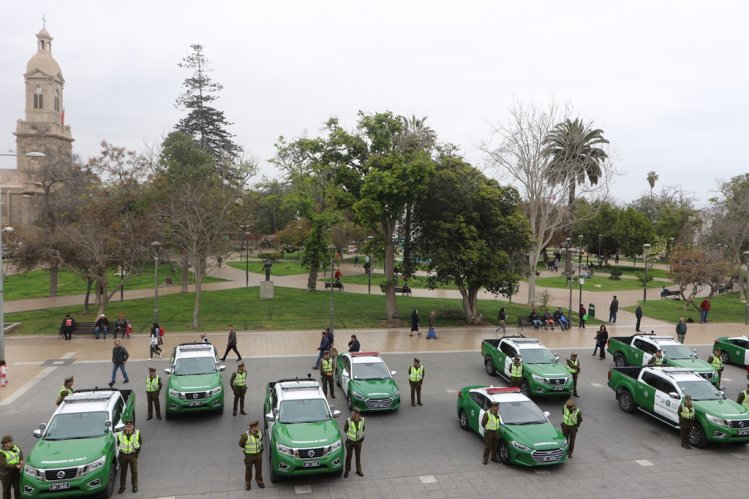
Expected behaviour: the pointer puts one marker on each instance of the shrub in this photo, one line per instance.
(615, 274)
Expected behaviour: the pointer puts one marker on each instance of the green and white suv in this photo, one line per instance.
(367, 382)
(195, 383)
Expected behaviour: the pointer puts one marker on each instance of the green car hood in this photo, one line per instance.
(374, 387)
(194, 382)
(68, 453)
(547, 370)
(722, 408)
(317, 434)
(696, 364)
(542, 436)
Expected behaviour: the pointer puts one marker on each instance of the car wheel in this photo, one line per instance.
(619, 360)
(168, 415)
(274, 478)
(525, 388)
(724, 357)
(107, 493)
(697, 436)
(626, 402)
(463, 419)
(338, 380)
(504, 452)
(338, 473)
(350, 399)
(220, 411)
(489, 363)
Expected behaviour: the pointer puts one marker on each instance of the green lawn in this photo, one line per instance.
(725, 308)
(290, 309)
(35, 283)
(279, 268)
(414, 282)
(593, 283)
(630, 270)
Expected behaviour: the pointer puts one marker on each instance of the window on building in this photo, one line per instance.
(57, 101)
(38, 98)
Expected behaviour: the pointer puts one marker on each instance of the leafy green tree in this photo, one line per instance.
(652, 178)
(633, 229)
(672, 213)
(597, 224)
(468, 228)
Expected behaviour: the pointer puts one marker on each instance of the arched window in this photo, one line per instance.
(57, 101)
(38, 98)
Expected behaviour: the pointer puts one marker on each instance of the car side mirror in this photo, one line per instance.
(674, 395)
(119, 427)
(336, 413)
(556, 358)
(168, 370)
(344, 373)
(221, 367)
(547, 414)
(723, 390)
(269, 417)
(393, 373)
(38, 433)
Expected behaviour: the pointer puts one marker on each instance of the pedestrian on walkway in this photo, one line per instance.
(324, 345)
(686, 420)
(153, 389)
(490, 424)
(602, 336)
(326, 375)
(613, 309)
(130, 443)
(582, 316)
(67, 327)
(354, 345)
(416, 379)
(67, 389)
(154, 341)
(252, 444)
(238, 383)
(356, 261)
(704, 309)
(11, 464)
(415, 322)
(119, 358)
(231, 344)
(573, 366)
(501, 321)
(572, 418)
(681, 330)
(432, 332)
(354, 430)
(102, 326)
(3, 374)
(638, 315)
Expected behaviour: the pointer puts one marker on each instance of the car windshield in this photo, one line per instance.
(677, 352)
(537, 356)
(521, 412)
(77, 425)
(700, 390)
(303, 411)
(371, 370)
(194, 365)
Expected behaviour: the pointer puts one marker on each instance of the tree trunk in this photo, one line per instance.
(89, 283)
(532, 263)
(392, 308)
(408, 267)
(470, 302)
(568, 231)
(185, 279)
(54, 270)
(104, 298)
(196, 307)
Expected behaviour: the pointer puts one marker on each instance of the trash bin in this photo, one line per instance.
(591, 310)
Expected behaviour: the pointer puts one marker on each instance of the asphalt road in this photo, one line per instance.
(415, 452)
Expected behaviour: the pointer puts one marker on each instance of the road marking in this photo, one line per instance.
(303, 489)
(451, 390)
(33, 381)
(738, 455)
(542, 472)
(428, 479)
(597, 385)
(726, 379)
(644, 462)
(167, 497)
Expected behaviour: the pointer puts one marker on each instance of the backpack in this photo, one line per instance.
(161, 331)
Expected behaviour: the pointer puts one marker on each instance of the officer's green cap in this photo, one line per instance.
(7, 438)
(254, 423)
(68, 379)
(152, 369)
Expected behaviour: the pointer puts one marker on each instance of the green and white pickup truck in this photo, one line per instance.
(658, 391)
(637, 350)
(195, 383)
(542, 373)
(302, 434)
(76, 454)
(735, 349)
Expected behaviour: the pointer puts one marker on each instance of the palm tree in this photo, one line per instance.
(652, 177)
(575, 156)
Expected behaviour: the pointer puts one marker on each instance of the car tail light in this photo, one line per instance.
(609, 376)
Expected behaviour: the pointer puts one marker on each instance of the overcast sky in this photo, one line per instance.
(668, 82)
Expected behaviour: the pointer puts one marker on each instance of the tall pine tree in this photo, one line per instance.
(206, 124)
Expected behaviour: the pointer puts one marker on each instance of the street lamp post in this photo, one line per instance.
(369, 265)
(156, 247)
(247, 259)
(645, 248)
(569, 278)
(580, 274)
(33, 154)
(746, 293)
(600, 252)
(331, 250)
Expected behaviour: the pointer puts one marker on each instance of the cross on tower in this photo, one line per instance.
(44, 21)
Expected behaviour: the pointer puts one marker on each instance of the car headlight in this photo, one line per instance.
(563, 444)
(176, 394)
(396, 396)
(540, 379)
(91, 467)
(717, 421)
(358, 396)
(284, 450)
(33, 472)
(215, 391)
(520, 446)
(335, 446)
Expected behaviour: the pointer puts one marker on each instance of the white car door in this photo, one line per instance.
(346, 374)
(665, 406)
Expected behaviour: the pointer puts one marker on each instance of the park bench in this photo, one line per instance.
(337, 284)
(83, 327)
(665, 293)
(524, 321)
(404, 290)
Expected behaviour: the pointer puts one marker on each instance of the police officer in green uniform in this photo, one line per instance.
(490, 423)
(326, 374)
(716, 361)
(657, 359)
(416, 379)
(67, 389)
(354, 430)
(516, 372)
(238, 384)
(129, 442)
(11, 464)
(573, 366)
(686, 420)
(744, 398)
(252, 443)
(153, 389)
(572, 417)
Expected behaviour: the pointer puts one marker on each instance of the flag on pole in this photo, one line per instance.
(62, 116)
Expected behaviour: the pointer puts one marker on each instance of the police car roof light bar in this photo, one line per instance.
(365, 354)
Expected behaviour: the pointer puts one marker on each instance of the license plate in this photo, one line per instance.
(196, 404)
(548, 459)
(743, 433)
(559, 388)
(60, 486)
(311, 464)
